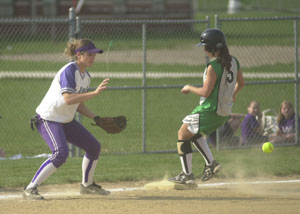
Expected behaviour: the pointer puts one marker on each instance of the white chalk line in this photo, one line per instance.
(128, 189)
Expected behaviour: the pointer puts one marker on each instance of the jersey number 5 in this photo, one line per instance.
(229, 76)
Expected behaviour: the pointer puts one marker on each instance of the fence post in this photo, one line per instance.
(218, 139)
(77, 31)
(217, 22)
(296, 78)
(78, 116)
(207, 27)
(144, 92)
(72, 29)
(208, 21)
(72, 23)
(217, 131)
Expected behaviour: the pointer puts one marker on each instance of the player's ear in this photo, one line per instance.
(78, 54)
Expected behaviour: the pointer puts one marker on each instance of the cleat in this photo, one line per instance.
(93, 189)
(32, 194)
(211, 170)
(183, 178)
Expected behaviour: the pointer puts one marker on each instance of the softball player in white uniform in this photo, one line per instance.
(55, 119)
(222, 80)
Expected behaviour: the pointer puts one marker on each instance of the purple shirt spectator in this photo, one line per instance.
(249, 130)
(288, 125)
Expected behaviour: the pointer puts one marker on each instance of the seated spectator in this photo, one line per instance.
(251, 126)
(286, 124)
(227, 131)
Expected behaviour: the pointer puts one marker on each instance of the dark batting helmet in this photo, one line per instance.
(213, 39)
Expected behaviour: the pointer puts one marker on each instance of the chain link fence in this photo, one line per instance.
(268, 49)
(148, 62)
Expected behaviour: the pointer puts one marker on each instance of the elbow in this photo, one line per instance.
(68, 98)
(206, 94)
(242, 85)
(68, 101)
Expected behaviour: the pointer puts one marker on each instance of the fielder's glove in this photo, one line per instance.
(111, 125)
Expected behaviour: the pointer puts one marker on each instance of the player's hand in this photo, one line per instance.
(185, 89)
(102, 86)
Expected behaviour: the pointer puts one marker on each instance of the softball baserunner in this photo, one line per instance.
(222, 80)
(55, 119)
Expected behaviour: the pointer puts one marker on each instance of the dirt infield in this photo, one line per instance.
(268, 196)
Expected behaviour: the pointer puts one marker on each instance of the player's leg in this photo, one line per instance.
(184, 149)
(79, 136)
(53, 134)
(211, 166)
(201, 145)
(205, 122)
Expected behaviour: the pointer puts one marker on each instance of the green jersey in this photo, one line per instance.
(221, 98)
(213, 111)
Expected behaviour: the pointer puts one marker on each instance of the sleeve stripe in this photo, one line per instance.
(71, 90)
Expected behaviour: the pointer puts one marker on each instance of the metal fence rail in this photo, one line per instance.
(148, 61)
(294, 19)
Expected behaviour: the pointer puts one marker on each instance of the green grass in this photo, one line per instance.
(243, 163)
(165, 107)
(164, 111)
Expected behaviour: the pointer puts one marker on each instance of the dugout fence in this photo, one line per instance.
(148, 62)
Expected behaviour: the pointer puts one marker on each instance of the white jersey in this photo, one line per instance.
(221, 98)
(68, 79)
(226, 89)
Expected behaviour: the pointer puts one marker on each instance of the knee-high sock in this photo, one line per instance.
(202, 147)
(88, 170)
(45, 170)
(186, 163)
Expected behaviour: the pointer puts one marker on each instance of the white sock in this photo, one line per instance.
(202, 146)
(45, 170)
(186, 163)
(88, 170)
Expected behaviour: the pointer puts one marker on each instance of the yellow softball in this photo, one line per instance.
(267, 147)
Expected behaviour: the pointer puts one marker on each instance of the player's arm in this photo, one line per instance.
(82, 109)
(239, 84)
(82, 97)
(207, 87)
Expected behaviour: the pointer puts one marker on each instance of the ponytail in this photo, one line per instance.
(73, 44)
(225, 58)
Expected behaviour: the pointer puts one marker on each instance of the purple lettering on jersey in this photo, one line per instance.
(288, 125)
(67, 79)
